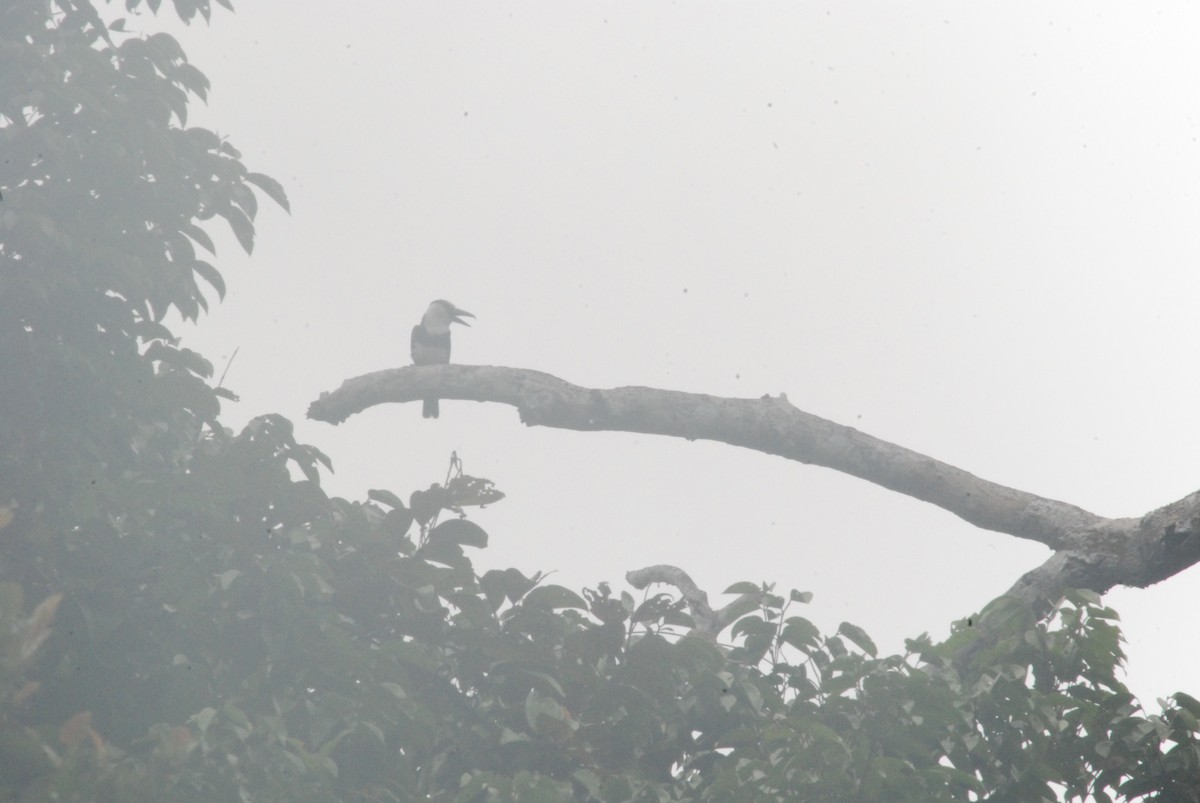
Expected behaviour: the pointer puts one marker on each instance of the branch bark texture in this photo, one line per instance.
(1090, 551)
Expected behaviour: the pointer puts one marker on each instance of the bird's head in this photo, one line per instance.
(441, 314)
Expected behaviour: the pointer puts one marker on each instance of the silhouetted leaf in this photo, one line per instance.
(183, 359)
(1187, 702)
(398, 521)
(427, 504)
(654, 608)
(553, 597)
(271, 187)
(241, 195)
(241, 226)
(199, 235)
(859, 636)
(192, 79)
(385, 497)
(509, 584)
(460, 531)
(443, 551)
(800, 633)
(210, 275)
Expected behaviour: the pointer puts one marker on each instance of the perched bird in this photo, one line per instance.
(431, 341)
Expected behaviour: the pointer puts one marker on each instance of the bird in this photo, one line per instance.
(431, 341)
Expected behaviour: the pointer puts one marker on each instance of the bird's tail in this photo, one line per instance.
(429, 409)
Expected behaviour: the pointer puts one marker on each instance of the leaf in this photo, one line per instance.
(314, 455)
(547, 715)
(1187, 703)
(241, 195)
(166, 45)
(203, 138)
(803, 597)
(37, 626)
(192, 80)
(180, 249)
(385, 497)
(328, 747)
(473, 491)
(309, 470)
(200, 236)
(1088, 596)
(427, 504)
(800, 633)
(751, 625)
(860, 638)
(459, 531)
(508, 584)
(242, 228)
(325, 762)
(836, 684)
(203, 718)
(678, 618)
(76, 729)
(553, 597)
(397, 522)
(186, 9)
(444, 552)
(654, 608)
(147, 330)
(210, 275)
(589, 780)
(271, 187)
(180, 358)
(744, 587)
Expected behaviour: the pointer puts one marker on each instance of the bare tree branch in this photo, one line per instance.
(1090, 551)
(709, 623)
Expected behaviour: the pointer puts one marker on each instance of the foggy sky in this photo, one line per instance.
(969, 230)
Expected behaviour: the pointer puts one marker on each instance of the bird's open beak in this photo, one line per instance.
(460, 312)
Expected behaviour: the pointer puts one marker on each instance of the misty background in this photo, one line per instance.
(969, 230)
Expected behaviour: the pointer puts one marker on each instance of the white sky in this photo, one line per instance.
(966, 228)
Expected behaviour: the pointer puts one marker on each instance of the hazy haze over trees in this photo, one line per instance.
(187, 615)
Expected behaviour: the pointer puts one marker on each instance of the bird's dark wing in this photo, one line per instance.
(429, 349)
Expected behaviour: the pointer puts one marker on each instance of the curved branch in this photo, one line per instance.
(709, 623)
(1090, 551)
(769, 424)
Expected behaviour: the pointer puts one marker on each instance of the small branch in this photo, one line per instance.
(228, 364)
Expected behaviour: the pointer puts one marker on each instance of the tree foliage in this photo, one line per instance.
(186, 615)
